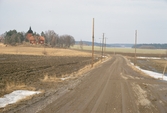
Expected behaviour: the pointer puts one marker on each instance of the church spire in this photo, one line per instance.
(30, 31)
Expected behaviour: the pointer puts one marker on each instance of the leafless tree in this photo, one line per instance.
(81, 44)
(61, 41)
(51, 37)
(2, 38)
(66, 41)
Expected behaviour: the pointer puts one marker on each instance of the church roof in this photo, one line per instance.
(30, 31)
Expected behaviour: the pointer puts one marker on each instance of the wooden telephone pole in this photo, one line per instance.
(105, 45)
(135, 46)
(93, 43)
(164, 71)
(164, 67)
(102, 47)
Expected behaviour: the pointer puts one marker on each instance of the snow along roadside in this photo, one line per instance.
(152, 74)
(15, 96)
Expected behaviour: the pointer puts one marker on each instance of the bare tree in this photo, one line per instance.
(66, 41)
(51, 37)
(2, 38)
(61, 41)
(81, 44)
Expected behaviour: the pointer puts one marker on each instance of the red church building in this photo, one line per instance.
(34, 39)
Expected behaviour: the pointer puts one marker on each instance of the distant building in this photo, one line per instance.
(34, 39)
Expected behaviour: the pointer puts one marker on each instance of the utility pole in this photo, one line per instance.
(164, 71)
(164, 67)
(93, 43)
(102, 47)
(105, 45)
(135, 46)
(101, 40)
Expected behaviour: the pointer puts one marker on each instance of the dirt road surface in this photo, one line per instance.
(113, 87)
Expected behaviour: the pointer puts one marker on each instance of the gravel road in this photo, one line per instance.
(114, 87)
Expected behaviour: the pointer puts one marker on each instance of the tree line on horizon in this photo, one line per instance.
(52, 39)
(150, 46)
(140, 46)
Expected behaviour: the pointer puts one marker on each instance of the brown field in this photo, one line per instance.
(38, 68)
(30, 68)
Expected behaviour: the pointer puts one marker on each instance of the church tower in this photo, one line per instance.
(29, 33)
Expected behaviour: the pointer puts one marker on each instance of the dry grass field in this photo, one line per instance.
(19, 50)
(123, 50)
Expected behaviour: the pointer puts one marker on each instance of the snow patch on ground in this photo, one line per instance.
(65, 78)
(152, 74)
(15, 96)
(104, 56)
(149, 58)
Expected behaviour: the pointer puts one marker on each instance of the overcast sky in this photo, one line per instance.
(118, 19)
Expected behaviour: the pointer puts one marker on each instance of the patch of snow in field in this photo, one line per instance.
(149, 58)
(132, 63)
(15, 96)
(153, 74)
(104, 56)
(65, 78)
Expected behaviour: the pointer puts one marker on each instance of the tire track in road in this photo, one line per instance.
(100, 98)
(84, 95)
(126, 92)
(112, 79)
(96, 89)
(103, 92)
(123, 99)
(127, 97)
